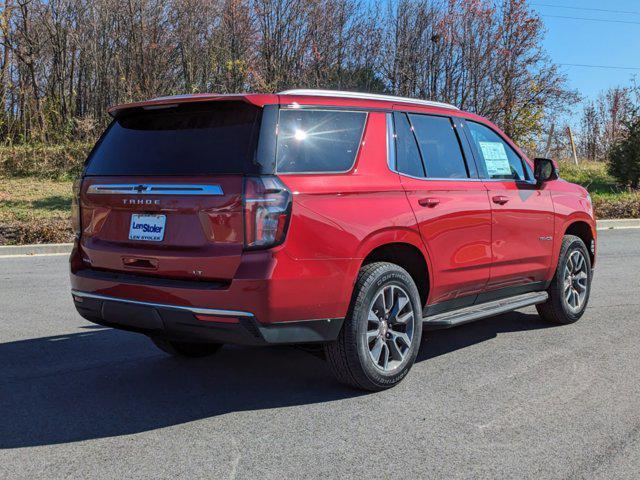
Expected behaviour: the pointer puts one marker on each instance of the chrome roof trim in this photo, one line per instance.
(367, 96)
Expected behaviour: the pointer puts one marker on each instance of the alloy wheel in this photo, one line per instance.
(576, 279)
(390, 327)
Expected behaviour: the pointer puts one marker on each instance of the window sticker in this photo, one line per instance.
(495, 158)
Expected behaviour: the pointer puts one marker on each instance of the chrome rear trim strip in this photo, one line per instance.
(155, 189)
(196, 310)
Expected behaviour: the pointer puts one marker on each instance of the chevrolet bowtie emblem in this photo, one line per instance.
(140, 188)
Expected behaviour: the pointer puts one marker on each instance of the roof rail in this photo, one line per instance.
(366, 96)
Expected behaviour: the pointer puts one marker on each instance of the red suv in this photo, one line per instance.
(342, 220)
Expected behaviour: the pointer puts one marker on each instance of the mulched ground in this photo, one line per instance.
(56, 230)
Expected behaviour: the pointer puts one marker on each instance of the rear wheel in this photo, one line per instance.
(379, 340)
(571, 284)
(186, 349)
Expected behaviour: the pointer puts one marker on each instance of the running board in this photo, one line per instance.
(484, 310)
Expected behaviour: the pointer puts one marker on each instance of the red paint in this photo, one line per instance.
(475, 236)
(456, 233)
(518, 253)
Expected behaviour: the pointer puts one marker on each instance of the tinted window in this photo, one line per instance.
(439, 146)
(497, 159)
(318, 140)
(407, 155)
(196, 139)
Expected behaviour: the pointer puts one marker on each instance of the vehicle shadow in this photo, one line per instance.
(441, 342)
(102, 382)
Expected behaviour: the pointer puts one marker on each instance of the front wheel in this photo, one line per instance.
(379, 340)
(571, 284)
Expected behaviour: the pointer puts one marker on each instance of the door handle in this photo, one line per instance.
(500, 199)
(429, 202)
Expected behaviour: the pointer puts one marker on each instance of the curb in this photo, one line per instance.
(618, 223)
(65, 248)
(38, 249)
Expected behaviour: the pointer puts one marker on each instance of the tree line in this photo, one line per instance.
(606, 120)
(62, 62)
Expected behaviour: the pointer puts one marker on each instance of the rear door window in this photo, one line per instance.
(497, 160)
(318, 141)
(185, 139)
(440, 147)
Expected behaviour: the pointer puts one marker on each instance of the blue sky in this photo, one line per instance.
(579, 41)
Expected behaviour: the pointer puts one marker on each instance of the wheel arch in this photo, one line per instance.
(583, 230)
(406, 255)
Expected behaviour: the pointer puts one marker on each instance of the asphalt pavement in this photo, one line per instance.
(506, 397)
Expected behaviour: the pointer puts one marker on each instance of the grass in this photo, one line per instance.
(34, 210)
(591, 175)
(609, 200)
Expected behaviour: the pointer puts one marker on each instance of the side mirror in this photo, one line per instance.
(544, 170)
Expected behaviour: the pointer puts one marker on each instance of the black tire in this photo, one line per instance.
(186, 349)
(558, 309)
(349, 356)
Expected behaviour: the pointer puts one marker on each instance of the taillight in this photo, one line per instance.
(267, 207)
(75, 208)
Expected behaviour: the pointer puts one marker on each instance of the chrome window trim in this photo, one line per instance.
(196, 310)
(391, 142)
(426, 179)
(510, 180)
(486, 180)
(154, 189)
(457, 123)
(321, 109)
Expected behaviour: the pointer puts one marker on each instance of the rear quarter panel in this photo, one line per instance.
(337, 219)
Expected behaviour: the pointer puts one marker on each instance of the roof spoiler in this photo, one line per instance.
(173, 101)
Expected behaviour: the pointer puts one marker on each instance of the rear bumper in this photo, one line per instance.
(186, 323)
(269, 284)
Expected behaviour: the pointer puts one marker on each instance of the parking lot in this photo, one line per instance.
(506, 397)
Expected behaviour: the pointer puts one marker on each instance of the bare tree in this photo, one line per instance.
(605, 121)
(62, 62)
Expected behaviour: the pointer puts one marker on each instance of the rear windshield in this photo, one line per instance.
(188, 139)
